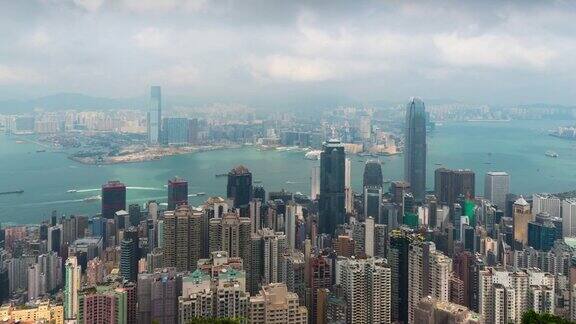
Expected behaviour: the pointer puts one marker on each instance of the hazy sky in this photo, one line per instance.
(475, 51)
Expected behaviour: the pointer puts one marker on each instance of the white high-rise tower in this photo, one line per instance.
(71, 287)
(496, 187)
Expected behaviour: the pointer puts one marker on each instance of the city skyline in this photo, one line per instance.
(302, 162)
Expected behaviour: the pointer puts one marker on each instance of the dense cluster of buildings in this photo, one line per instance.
(396, 254)
(129, 130)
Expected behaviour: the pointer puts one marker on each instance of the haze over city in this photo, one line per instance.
(290, 53)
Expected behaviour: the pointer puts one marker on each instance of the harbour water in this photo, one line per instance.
(517, 147)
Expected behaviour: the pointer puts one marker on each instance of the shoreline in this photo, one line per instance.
(148, 155)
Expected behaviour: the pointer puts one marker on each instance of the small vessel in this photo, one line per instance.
(11, 192)
(40, 151)
(92, 198)
(200, 193)
(551, 154)
(72, 191)
(257, 181)
(219, 175)
(313, 155)
(437, 163)
(387, 181)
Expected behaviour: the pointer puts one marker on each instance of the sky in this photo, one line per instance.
(494, 52)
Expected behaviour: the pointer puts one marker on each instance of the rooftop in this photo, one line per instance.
(497, 173)
(114, 184)
(521, 201)
(239, 170)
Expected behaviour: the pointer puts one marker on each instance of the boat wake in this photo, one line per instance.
(88, 190)
(56, 202)
(145, 188)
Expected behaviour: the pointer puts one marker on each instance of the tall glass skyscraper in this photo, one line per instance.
(332, 186)
(113, 198)
(372, 174)
(415, 148)
(175, 130)
(239, 186)
(177, 193)
(372, 190)
(154, 115)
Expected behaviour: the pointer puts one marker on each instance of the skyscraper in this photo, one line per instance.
(400, 241)
(103, 304)
(182, 238)
(433, 311)
(175, 130)
(135, 213)
(276, 305)
(496, 187)
(504, 296)
(320, 275)
(372, 190)
(451, 184)
(428, 275)
(177, 193)
(72, 281)
(129, 259)
(273, 248)
(367, 290)
(239, 186)
(113, 198)
(372, 174)
(293, 213)
(348, 198)
(543, 202)
(315, 182)
(154, 115)
(233, 234)
(332, 186)
(522, 216)
(415, 148)
(569, 217)
(214, 295)
(158, 294)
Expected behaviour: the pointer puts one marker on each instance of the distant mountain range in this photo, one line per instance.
(70, 101)
(80, 101)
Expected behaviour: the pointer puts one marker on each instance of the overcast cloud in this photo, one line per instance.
(474, 51)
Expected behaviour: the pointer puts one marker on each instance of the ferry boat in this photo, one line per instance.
(200, 193)
(11, 192)
(551, 154)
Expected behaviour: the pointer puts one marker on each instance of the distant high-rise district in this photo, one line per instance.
(397, 251)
